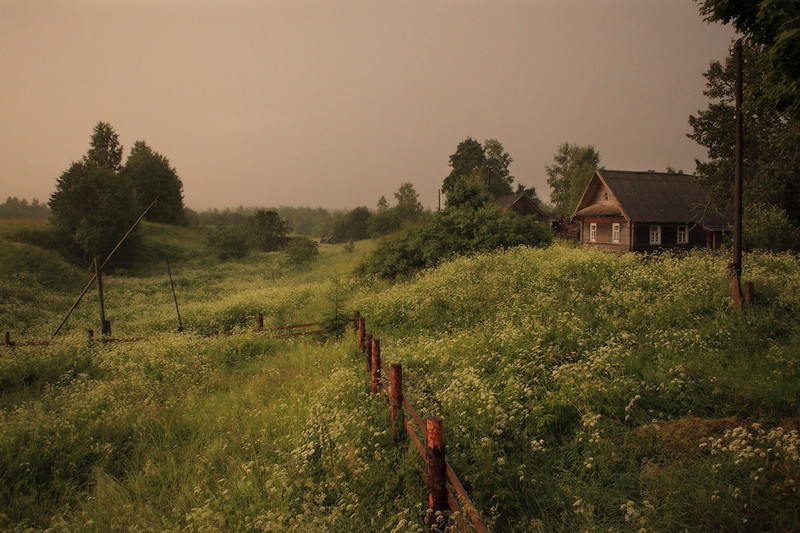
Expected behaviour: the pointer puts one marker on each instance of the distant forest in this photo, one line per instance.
(313, 221)
(13, 207)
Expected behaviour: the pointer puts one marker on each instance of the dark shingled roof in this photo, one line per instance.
(657, 197)
(507, 201)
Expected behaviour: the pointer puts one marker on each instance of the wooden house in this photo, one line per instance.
(523, 205)
(645, 211)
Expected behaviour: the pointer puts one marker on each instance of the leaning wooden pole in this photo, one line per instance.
(735, 267)
(175, 299)
(94, 276)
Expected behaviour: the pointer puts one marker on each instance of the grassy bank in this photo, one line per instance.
(580, 391)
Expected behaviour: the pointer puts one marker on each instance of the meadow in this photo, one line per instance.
(580, 391)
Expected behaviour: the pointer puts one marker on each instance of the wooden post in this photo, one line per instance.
(260, 322)
(735, 267)
(368, 351)
(362, 332)
(105, 326)
(90, 332)
(436, 463)
(749, 294)
(356, 316)
(376, 366)
(396, 394)
(7, 339)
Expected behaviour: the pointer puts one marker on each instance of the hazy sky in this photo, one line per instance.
(334, 103)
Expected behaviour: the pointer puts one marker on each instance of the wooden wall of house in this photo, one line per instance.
(604, 233)
(603, 196)
(669, 237)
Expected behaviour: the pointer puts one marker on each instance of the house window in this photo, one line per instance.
(615, 232)
(655, 234)
(593, 232)
(605, 196)
(683, 234)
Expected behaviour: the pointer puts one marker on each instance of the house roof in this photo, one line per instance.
(507, 202)
(651, 197)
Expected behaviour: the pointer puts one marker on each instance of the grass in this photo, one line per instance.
(580, 391)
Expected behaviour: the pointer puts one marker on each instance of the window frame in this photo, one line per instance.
(592, 231)
(615, 232)
(683, 231)
(655, 233)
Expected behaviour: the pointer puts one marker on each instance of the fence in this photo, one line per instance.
(441, 495)
(281, 332)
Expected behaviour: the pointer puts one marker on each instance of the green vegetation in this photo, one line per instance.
(580, 391)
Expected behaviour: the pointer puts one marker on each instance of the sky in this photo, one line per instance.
(335, 103)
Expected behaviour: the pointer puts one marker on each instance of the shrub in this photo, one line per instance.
(453, 232)
(229, 242)
(766, 227)
(302, 250)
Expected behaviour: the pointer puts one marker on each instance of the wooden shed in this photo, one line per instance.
(523, 205)
(645, 211)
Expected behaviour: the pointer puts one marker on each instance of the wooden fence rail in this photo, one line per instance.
(8, 342)
(441, 495)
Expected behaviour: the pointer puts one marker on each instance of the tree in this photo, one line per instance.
(468, 193)
(151, 175)
(772, 139)
(409, 209)
(774, 27)
(92, 208)
(267, 231)
(383, 205)
(572, 168)
(498, 177)
(351, 226)
(105, 149)
(468, 158)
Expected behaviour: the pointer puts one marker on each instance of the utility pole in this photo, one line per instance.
(735, 272)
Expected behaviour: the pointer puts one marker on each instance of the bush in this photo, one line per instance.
(229, 242)
(453, 232)
(302, 250)
(766, 227)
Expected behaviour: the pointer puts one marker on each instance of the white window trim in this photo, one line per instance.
(655, 234)
(592, 231)
(615, 232)
(683, 231)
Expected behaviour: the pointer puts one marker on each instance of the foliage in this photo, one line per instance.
(151, 176)
(488, 163)
(766, 227)
(772, 140)
(775, 26)
(302, 250)
(92, 208)
(267, 231)
(351, 226)
(384, 222)
(580, 391)
(407, 212)
(13, 207)
(409, 209)
(572, 168)
(454, 231)
(105, 151)
(316, 222)
(229, 242)
(468, 193)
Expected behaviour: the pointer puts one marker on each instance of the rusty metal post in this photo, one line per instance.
(362, 332)
(396, 394)
(260, 322)
(436, 464)
(376, 366)
(368, 351)
(749, 294)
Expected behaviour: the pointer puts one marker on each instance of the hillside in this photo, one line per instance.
(579, 390)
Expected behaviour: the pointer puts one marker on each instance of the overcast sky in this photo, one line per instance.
(333, 103)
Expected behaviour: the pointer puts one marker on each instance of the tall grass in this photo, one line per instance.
(580, 391)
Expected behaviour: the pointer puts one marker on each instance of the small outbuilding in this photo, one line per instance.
(645, 211)
(523, 205)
